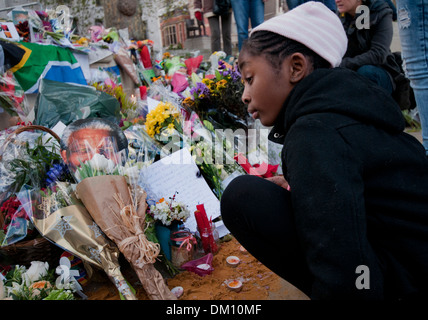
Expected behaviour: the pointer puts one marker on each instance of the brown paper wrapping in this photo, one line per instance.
(73, 229)
(105, 197)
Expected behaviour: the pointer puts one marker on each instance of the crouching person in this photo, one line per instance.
(354, 196)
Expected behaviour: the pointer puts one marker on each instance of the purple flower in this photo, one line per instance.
(235, 75)
(200, 89)
(221, 65)
(226, 72)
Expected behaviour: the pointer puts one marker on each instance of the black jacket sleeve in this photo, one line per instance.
(327, 192)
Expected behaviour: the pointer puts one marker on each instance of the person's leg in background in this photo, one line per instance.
(257, 12)
(215, 33)
(291, 4)
(241, 11)
(226, 30)
(259, 215)
(331, 4)
(378, 76)
(412, 18)
(394, 9)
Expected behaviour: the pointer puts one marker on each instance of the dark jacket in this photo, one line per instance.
(359, 186)
(370, 46)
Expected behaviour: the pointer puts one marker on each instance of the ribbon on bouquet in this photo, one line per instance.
(189, 245)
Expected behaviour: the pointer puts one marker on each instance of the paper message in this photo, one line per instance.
(179, 173)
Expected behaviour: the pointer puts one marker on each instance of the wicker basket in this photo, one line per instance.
(38, 249)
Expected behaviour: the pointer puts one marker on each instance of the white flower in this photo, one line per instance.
(166, 213)
(15, 289)
(37, 270)
(101, 163)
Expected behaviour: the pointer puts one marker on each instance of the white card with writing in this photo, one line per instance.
(179, 173)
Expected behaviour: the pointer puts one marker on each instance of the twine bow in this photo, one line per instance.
(147, 250)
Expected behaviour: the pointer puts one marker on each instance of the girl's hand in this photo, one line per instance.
(279, 180)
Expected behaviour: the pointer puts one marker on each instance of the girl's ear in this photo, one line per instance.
(300, 67)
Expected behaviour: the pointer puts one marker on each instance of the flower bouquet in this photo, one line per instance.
(26, 158)
(167, 212)
(162, 121)
(60, 217)
(35, 283)
(217, 98)
(109, 200)
(168, 216)
(12, 97)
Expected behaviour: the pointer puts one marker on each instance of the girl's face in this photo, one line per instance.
(348, 6)
(266, 88)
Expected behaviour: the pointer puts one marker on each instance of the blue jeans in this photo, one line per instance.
(378, 76)
(413, 31)
(245, 10)
(331, 4)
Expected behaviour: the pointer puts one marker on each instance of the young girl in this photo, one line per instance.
(349, 219)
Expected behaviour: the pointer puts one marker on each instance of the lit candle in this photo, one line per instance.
(234, 285)
(232, 261)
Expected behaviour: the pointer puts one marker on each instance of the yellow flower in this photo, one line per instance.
(170, 129)
(188, 102)
(221, 84)
(159, 117)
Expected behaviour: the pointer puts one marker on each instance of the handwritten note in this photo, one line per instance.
(179, 173)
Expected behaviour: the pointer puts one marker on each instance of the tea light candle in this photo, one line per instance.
(203, 266)
(232, 261)
(234, 285)
(243, 250)
(177, 291)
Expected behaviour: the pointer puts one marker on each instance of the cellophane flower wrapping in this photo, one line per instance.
(26, 159)
(61, 218)
(12, 96)
(107, 187)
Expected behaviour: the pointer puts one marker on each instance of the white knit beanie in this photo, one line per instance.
(315, 26)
